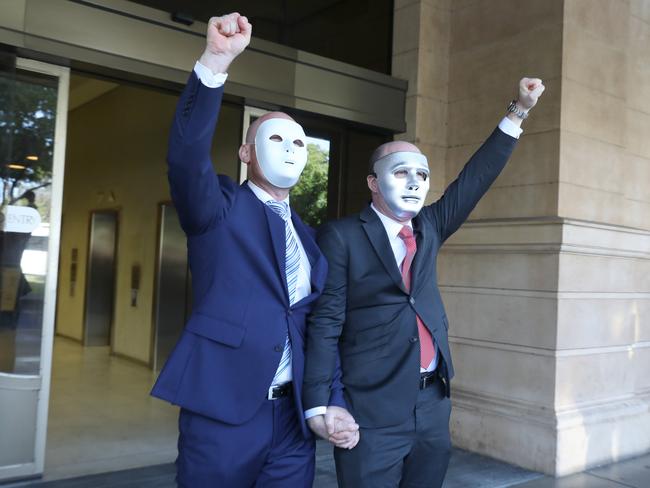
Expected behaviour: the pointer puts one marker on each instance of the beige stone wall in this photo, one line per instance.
(546, 286)
(499, 275)
(604, 286)
(421, 31)
(115, 159)
(606, 113)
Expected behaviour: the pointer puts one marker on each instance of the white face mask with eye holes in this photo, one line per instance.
(281, 148)
(403, 179)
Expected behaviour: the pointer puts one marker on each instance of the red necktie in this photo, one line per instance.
(427, 351)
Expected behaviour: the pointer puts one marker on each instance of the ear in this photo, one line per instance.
(245, 153)
(372, 183)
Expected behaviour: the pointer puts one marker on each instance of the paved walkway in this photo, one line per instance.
(466, 470)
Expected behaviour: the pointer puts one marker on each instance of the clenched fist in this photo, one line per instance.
(530, 89)
(226, 38)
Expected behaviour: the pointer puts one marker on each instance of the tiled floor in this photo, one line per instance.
(102, 420)
(101, 415)
(466, 471)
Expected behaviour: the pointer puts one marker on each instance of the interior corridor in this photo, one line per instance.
(101, 416)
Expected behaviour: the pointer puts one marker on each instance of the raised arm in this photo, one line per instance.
(199, 196)
(461, 196)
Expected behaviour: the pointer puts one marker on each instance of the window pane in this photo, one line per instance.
(309, 196)
(27, 119)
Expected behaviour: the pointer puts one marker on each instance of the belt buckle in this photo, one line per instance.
(427, 380)
(278, 391)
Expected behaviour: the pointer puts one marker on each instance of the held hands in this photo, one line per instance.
(337, 426)
(227, 36)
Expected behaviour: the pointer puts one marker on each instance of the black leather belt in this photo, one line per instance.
(280, 391)
(429, 378)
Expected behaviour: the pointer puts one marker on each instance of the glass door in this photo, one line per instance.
(33, 113)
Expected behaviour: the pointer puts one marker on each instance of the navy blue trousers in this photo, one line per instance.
(267, 451)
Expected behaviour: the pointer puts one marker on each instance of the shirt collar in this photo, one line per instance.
(393, 227)
(264, 196)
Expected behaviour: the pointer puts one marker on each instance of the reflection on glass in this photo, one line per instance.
(309, 196)
(27, 119)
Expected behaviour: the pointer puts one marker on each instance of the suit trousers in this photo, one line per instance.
(268, 451)
(413, 454)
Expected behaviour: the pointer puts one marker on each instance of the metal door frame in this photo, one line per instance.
(43, 379)
(156, 285)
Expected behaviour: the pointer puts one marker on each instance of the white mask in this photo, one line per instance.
(403, 179)
(281, 147)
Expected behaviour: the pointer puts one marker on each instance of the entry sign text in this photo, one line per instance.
(19, 219)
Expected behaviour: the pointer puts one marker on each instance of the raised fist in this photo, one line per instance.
(228, 35)
(530, 90)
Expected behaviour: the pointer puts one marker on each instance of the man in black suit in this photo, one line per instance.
(381, 308)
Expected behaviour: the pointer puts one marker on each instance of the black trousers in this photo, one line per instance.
(412, 454)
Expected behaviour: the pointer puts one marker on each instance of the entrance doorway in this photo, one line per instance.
(123, 291)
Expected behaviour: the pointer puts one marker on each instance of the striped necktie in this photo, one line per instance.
(292, 265)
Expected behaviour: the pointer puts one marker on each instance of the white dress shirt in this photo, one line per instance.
(207, 77)
(303, 285)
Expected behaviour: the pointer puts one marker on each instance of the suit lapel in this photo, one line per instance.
(423, 252)
(276, 231)
(379, 240)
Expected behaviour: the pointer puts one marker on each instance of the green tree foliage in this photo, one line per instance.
(27, 118)
(309, 196)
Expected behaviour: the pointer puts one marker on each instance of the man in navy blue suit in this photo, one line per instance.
(236, 372)
(381, 311)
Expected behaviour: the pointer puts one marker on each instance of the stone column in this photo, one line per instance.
(421, 31)
(603, 324)
(499, 273)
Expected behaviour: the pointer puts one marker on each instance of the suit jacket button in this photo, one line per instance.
(413, 340)
(289, 312)
(278, 348)
(412, 300)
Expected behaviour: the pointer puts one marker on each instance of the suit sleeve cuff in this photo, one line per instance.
(313, 412)
(208, 78)
(507, 126)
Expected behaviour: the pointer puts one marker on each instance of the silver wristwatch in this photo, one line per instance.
(517, 111)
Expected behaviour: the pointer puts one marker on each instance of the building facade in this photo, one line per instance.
(547, 287)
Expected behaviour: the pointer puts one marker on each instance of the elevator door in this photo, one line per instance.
(171, 304)
(100, 281)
